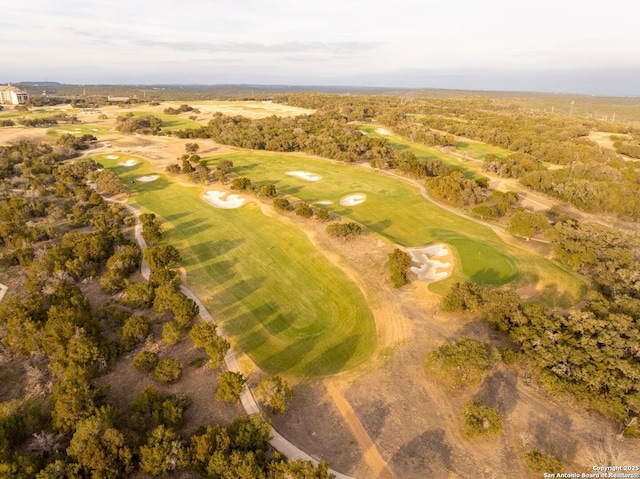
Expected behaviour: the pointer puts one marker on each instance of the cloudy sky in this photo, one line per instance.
(543, 45)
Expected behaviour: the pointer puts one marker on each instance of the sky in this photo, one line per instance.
(544, 45)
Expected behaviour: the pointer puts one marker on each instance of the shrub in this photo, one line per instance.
(167, 371)
(344, 230)
(479, 420)
(135, 330)
(464, 362)
(172, 333)
(138, 295)
(241, 183)
(275, 393)
(230, 387)
(398, 264)
(145, 361)
(322, 215)
(281, 204)
(304, 210)
(540, 463)
(204, 335)
(268, 191)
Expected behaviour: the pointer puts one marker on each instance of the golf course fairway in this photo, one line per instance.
(272, 292)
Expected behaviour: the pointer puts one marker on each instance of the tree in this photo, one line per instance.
(100, 448)
(151, 228)
(146, 361)
(161, 454)
(134, 331)
(109, 182)
(191, 148)
(480, 420)
(540, 463)
(399, 262)
(274, 392)
(304, 210)
(167, 371)
(138, 295)
(526, 224)
(187, 167)
(241, 183)
(322, 215)
(230, 386)
(462, 363)
(344, 230)
(74, 399)
(205, 335)
(172, 333)
(152, 408)
(161, 257)
(281, 204)
(268, 191)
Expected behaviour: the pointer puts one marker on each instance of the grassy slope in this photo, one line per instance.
(279, 299)
(395, 210)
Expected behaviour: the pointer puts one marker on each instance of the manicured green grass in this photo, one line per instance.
(422, 152)
(396, 210)
(479, 150)
(170, 122)
(277, 297)
(79, 129)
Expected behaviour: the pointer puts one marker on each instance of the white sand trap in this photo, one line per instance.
(353, 200)
(304, 175)
(324, 202)
(148, 178)
(68, 132)
(214, 197)
(129, 163)
(94, 129)
(382, 131)
(428, 268)
(111, 157)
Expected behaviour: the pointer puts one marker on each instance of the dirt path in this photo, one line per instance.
(371, 454)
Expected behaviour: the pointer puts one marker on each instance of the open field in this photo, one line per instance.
(249, 109)
(395, 210)
(279, 299)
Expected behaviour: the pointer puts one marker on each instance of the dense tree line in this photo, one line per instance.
(591, 352)
(591, 178)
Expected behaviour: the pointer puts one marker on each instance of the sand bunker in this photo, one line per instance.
(382, 131)
(353, 200)
(129, 163)
(148, 178)
(304, 175)
(324, 202)
(430, 269)
(214, 197)
(111, 157)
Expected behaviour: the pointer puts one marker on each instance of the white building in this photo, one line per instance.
(11, 95)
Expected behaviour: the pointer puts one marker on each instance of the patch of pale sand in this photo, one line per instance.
(353, 200)
(3, 291)
(324, 202)
(383, 131)
(129, 163)
(111, 157)
(430, 269)
(94, 129)
(69, 132)
(214, 198)
(304, 175)
(148, 178)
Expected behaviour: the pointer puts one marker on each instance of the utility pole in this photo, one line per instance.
(571, 110)
(614, 117)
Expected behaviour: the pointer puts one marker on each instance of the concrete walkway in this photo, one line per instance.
(247, 399)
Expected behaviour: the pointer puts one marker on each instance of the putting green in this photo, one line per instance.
(274, 294)
(396, 210)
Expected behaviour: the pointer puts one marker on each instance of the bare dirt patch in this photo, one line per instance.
(199, 383)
